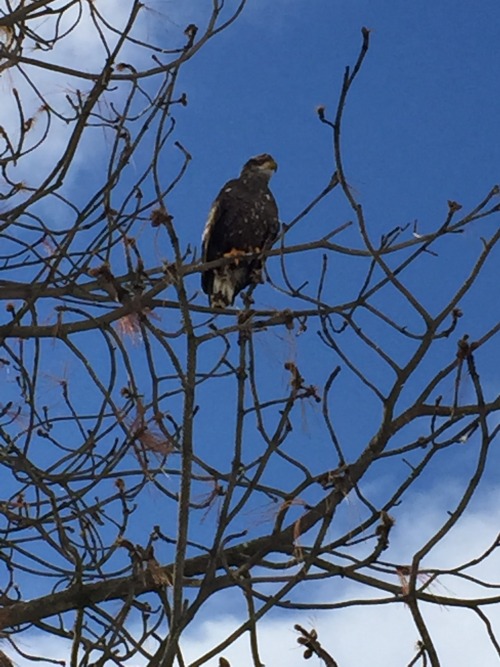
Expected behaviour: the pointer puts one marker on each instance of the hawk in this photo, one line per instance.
(243, 219)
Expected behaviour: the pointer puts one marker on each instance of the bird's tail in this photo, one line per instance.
(223, 290)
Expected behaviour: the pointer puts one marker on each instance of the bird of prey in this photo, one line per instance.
(243, 219)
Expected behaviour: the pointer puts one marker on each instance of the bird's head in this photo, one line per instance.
(264, 165)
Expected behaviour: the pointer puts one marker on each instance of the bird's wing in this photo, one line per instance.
(218, 226)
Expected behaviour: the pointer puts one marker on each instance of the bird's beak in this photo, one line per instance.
(271, 164)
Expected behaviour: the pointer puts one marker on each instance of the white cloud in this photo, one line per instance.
(368, 635)
(82, 49)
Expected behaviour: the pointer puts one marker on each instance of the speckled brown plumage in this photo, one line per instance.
(243, 219)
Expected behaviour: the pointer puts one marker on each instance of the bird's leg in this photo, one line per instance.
(235, 254)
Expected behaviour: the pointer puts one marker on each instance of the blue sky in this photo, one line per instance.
(420, 124)
(421, 127)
